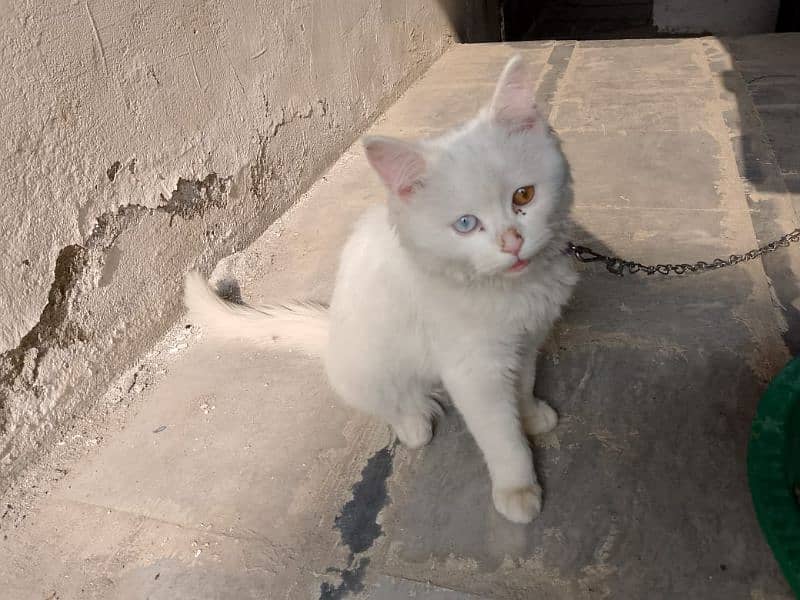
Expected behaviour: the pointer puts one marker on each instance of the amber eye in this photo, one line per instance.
(523, 195)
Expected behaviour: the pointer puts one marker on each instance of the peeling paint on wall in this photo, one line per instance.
(76, 272)
(121, 120)
(19, 367)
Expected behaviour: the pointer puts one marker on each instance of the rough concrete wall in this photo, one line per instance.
(720, 17)
(142, 138)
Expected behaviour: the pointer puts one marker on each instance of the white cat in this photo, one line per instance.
(453, 283)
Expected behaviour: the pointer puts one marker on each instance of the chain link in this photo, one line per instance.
(618, 266)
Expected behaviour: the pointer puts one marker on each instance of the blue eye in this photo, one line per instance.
(466, 223)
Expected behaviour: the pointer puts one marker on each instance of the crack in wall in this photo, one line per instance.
(83, 268)
(286, 116)
(78, 271)
(278, 173)
(265, 170)
(193, 198)
(19, 367)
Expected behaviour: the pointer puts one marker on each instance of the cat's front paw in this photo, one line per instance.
(520, 505)
(538, 417)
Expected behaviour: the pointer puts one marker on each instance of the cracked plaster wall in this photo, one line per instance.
(142, 138)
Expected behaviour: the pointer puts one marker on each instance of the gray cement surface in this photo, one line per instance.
(234, 473)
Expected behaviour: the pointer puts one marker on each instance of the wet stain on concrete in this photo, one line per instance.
(352, 582)
(557, 64)
(358, 523)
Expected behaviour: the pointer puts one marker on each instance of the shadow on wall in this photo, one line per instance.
(473, 20)
(765, 81)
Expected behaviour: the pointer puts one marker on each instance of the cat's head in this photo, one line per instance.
(484, 199)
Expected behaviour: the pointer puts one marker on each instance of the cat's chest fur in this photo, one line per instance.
(527, 305)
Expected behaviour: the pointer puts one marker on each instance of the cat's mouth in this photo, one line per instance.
(518, 266)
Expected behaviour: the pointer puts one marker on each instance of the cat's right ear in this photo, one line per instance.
(513, 102)
(399, 164)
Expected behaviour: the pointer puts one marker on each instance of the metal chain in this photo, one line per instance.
(618, 266)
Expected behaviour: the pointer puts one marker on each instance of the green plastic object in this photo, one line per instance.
(773, 469)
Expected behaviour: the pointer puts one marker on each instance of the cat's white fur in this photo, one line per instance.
(418, 306)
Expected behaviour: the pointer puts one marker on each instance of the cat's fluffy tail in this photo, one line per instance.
(299, 325)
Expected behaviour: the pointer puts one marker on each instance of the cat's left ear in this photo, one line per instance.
(513, 103)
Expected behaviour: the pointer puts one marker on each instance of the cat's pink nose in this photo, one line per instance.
(511, 241)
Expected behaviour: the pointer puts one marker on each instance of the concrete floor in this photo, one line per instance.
(230, 472)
